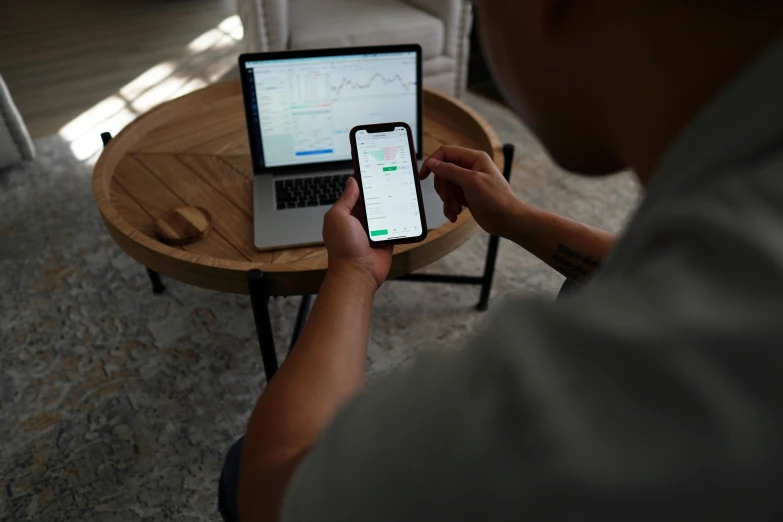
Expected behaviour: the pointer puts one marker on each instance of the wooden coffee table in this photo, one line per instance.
(194, 151)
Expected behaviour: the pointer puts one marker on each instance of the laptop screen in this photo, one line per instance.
(305, 108)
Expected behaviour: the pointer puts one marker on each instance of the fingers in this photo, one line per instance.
(455, 168)
(448, 213)
(348, 200)
(451, 199)
(456, 206)
(451, 212)
(452, 196)
(466, 158)
(449, 171)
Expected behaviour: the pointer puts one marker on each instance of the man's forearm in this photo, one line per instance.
(572, 248)
(325, 369)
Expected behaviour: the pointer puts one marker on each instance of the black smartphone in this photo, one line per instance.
(384, 163)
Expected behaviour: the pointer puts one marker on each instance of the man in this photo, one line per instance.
(653, 393)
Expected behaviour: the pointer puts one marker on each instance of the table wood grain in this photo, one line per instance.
(194, 151)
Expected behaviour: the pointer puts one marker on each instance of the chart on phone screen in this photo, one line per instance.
(388, 184)
(307, 107)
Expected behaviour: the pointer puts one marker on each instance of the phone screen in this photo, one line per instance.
(389, 184)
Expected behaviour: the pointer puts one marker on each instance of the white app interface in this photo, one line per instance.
(389, 184)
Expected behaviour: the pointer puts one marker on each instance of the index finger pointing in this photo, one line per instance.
(459, 156)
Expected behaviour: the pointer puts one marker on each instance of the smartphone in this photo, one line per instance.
(384, 161)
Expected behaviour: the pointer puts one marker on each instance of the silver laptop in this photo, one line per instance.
(300, 108)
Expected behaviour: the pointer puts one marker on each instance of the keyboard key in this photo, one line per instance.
(308, 192)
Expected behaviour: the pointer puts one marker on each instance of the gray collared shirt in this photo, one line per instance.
(655, 393)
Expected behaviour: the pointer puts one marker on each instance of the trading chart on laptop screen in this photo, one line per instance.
(307, 107)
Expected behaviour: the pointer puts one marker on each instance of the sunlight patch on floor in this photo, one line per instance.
(205, 60)
(147, 79)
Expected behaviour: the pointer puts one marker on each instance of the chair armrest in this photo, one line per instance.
(265, 24)
(15, 143)
(457, 16)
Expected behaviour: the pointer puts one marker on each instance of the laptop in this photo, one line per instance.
(300, 108)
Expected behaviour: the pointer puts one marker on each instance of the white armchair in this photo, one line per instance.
(441, 27)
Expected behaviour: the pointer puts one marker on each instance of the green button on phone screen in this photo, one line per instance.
(387, 169)
(379, 232)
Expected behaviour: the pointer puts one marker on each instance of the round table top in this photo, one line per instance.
(194, 151)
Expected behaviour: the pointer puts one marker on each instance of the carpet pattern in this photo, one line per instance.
(117, 404)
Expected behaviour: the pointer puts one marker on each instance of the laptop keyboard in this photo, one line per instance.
(309, 192)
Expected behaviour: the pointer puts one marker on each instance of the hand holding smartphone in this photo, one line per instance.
(385, 167)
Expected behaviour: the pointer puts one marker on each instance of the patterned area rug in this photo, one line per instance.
(117, 404)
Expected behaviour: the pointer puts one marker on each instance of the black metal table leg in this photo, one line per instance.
(259, 300)
(489, 273)
(494, 241)
(157, 285)
(301, 318)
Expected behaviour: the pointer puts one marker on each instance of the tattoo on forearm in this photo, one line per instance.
(573, 264)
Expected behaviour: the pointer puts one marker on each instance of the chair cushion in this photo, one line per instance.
(344, 23)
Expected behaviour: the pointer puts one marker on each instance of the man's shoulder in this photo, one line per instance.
(723, 230)
(568, 388)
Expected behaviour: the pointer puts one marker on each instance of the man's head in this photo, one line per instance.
(600, 81)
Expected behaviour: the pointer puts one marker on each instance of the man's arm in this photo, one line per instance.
(572, 248)
(469, 178)
(325, 369)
